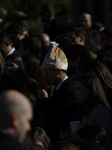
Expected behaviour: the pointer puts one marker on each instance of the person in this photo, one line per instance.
(91, 145)
(86, 21)
(45, 43)
(6, 45)
(41, 138)
(77, 56)
(15, 116)
(93, 133)
(92, 41)
(62, 25)
(78, 35)
(3, 17)
(19, 32)
(58, 109)
(12, 63)
(42, 83)
(18, 18)
(90, 93)
(47, 15)
(102, 72)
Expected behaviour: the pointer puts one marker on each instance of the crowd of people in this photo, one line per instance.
(50, 79)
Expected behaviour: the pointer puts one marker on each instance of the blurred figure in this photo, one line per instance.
(41, 138)
(78, 35)
(62, 26)
(77, 56)
(17, 18)
(98, 26)
(6, 46)
(3, 17)
(91, 145)
(92, 41)
(106, 37)
(93, 133)
(19, 32)
(85, 21)
(45, 43)
(13, 62)
(16, 113)
(47, 15)
(90, 93)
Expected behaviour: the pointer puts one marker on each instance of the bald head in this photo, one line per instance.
(44, 39)
(15, 113)
(85, 20)
(11, 101)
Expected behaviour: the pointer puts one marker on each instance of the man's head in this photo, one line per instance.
(5, 44)
(93, 41)
(15, 114)
(85, 20)
(78, 35)
(46, 12)
(55, 65)
(44, 39)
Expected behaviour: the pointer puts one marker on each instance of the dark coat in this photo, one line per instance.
(58, 110)
(7, 142)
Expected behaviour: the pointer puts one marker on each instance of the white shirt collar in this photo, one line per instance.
(13, 49)
(61, 82)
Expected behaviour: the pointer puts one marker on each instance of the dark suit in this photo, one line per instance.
(59, 109)
(7, 142)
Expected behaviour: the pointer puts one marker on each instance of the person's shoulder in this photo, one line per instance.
(101, 109)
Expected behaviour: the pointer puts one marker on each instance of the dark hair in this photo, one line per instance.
(92, 82)
(80, 51)
(107, 31)
(91, 145)
(95, 35)
(41, 135)
(93, 133)
(98, 68)
(17, 59)
(4, 37)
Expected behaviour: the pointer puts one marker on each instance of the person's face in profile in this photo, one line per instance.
(85, 21)
(81, 92)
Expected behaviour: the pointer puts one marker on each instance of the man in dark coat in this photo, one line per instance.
(57, 111)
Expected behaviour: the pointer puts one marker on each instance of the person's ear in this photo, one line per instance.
(82, 38)
(15, 119)
(59, 72)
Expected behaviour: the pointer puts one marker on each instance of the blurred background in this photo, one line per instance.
(100, 10)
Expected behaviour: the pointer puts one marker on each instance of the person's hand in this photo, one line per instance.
(42, 93)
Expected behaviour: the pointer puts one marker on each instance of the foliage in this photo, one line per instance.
(31, 7)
